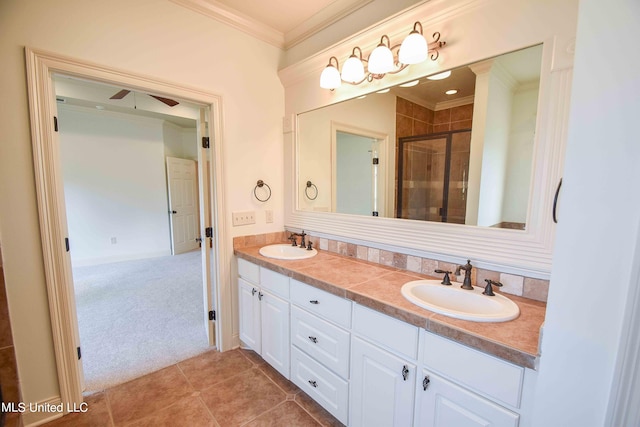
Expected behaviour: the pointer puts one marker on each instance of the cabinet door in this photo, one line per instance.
(249, 315)
(275, 331)
(445, 404)
(382, 387)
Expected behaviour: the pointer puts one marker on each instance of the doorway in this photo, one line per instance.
(139, 303)
(41, 66)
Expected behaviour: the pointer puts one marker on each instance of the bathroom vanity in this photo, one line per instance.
(340, 329)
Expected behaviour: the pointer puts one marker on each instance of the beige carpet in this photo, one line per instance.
(139, 316)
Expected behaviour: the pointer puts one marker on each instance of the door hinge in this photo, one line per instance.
(66, 243)
(212, 315)
(208, 232)
(79, 353)
(374, 213)
(376, 160)
(205, 142)
(55, 123)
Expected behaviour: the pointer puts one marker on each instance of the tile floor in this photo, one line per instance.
(235, 388)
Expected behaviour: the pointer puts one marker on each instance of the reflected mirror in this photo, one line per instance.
(420, 152)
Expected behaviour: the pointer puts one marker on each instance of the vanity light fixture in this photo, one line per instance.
(410, 84)
(451, 91)
(440, 76)
(384, 59)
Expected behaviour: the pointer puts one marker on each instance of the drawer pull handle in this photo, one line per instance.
(425, 382)
(314, 301)
(313, 339)
(405, 372)
(313, 383)
(253, 291)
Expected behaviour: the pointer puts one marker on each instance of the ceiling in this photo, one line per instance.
(282, 23)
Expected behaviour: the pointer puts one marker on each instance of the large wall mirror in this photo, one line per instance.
(420, 152)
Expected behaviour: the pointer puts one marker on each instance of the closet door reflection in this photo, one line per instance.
(432, 176)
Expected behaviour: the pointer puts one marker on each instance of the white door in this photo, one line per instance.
(183, 204)
(205, 187)
(275, 331)
(382, 387)
(441, 403)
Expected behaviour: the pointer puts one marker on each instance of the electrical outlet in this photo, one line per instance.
(244, 218)
(268, 215)
(114, 240)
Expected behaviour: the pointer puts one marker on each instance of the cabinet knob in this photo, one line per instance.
(314, 301)
(405, 372)
(313, 339)
(260, 295)
(313, 383)
(425, 382)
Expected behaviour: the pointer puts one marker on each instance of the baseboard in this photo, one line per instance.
(118, 258)
(42, 412)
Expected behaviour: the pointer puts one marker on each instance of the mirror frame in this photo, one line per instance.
(472, 27)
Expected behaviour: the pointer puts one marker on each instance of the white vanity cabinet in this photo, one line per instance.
(383, 370)
(320, 340)
(264, 314)
(467, 388)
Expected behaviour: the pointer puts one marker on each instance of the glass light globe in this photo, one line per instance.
(381, 60)
(353, 70)
(330, 78)
(413, 49)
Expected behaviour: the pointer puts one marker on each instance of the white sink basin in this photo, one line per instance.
(286, 251)
(460, 303)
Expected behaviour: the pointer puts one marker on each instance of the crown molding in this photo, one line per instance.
(235, 19)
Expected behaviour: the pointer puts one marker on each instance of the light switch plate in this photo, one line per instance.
(244, 218)
(268, 214)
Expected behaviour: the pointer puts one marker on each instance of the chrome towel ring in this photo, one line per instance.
(261, 184)
(306, 190)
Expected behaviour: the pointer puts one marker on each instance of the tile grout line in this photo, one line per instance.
(106, 396)
(308, 412)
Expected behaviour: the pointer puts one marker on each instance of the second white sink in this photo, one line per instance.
(459, 303)
(286, 251)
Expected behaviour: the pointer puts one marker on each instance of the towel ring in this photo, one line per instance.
(306, 190)
(261, 184)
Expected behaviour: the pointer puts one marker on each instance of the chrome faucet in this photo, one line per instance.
(466, 283)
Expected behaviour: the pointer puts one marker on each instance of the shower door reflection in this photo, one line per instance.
(432, 176)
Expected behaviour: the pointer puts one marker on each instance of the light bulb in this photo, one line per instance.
(413, 49)
(353, 70)
(381, 59)
(330, 77)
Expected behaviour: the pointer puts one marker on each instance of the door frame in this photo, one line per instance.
(41, 65)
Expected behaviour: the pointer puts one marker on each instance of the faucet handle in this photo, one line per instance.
(292, 238)
(488, 290)
(445, 280)
(309, 244)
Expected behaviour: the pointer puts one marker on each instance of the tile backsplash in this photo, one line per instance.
(527, 287)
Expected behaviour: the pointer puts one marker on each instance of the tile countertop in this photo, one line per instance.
(378, 287)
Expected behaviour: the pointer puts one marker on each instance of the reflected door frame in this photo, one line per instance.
(383, 159)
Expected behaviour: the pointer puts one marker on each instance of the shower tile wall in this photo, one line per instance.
(414, 119)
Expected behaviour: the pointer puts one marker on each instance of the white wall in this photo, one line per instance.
(149, 37)
(115, 186)
(520, 155)
(596, 247)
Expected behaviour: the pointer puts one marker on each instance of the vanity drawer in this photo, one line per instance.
(317, 301)
(326, 388)
(274, 282)
(248, 271)
(486, 374)
(393, 333)
(323, 341)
